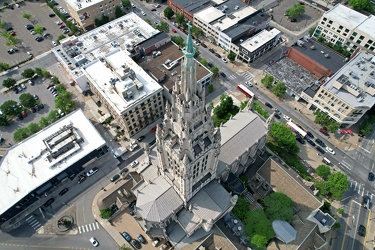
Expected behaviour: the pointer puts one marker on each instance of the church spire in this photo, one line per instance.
(189, 50)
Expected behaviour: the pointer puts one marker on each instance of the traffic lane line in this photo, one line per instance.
(346, 227)
(367, 229)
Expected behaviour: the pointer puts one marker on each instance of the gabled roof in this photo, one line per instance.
(284, 231)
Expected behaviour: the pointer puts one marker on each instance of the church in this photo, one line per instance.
(180, 195)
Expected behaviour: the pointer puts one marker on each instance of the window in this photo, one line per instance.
(324, 19)
(330, 22)
(355, 34)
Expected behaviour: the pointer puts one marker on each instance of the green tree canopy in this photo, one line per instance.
(267, 81)
(21, 134)
(26, 15)
(28, 73)
(4, 120)
(180, 19)
(232, 56)
(279, 89)
(3, 66)
(296, 11)
(323, 119)
(278, 206)
(38, 29)
(361, 5)
(204, 62)
(283, 137)
(223, 109)
(60, 37)
(27, 100)
(10, 108)
(38, 71)
(168, 12)
(215, 71)
(118, 12)
(257, 223)
(323, 170)
(335, 186)
(33, 128)
(126, 3)
(241, 208)
(43, 122)
(55, 80)
(195, 31)
(53, 116)
(9, 83)
(178, 40)
(210, 88)
(163, 26)
(197, 52)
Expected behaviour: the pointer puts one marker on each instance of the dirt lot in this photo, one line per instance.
(39, 16)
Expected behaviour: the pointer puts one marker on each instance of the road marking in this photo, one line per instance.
(357, 202)
(97, 225)
(79, 230)
(87, 228)
(367, 226)
(31, 217)
(90, 227)
(343, 240)
(83, 229)
(364, 149)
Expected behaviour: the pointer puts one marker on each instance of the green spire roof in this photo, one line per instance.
(189, 43)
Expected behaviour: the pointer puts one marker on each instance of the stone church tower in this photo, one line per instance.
(188, 146)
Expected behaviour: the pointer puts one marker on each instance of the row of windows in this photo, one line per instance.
(199, 168)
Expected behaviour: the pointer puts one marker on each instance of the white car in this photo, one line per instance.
(132, 147)
(155, 243)
(54, 43)
(133, 5)
(133, 164)
(143, 13)
(59, 22)
(92, 171)
(249, 84)
(330, 150)
(94, 242)
(23, 86)
(224, 60)
(287, 118)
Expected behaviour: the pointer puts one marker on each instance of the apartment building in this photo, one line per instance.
(348, 28)
(350, 92)
(86, 11)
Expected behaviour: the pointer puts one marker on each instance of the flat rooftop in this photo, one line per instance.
(347, 17)
(233, 18)
(123, 32)
(355, 82)
(368, 26)
(120, 80)
(294, 76)
(209, 14)
(316, 52)
(257, 41)
(34, 161)
(193, 6)
(82, 4)
(169, 51)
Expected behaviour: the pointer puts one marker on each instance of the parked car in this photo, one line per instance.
(217, 55)
(143, 13)
(33, 110)
(320, 142)
(136, 244)
(46, 35)
(370, 176)
(324, 131)
(92, 171)
(224, 60)
(20, 117)
(115, 178)
(9, 29)
(36, 97)
(64, 191)
(277, 116)
(141, 238)
(321, 150)
(309, 134)
(223, 74)
(59, 22)
(203, 45)
(268, 105)
(13, 33)
(361, 230)
(330, 150)
(133, 164)
(211, 50)
(287, 118)
(54, 43)
(300, 140)
(41, 106)
(140, 138)
(81, 179)
(153, 9)
(155, 242)
(29, 27)
(52, 15)
(210, 65)
(277, 111)
(94, 242)
(23, 86)
(311, 142)
(39, 38)
(126, 236)
(174, 31)
(49, 202)
(23, 113)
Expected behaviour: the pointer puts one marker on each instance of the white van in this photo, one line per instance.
(326, 161)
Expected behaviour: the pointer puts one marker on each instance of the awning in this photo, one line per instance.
(44, 188)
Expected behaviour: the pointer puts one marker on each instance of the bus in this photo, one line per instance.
(296, 129)
(246, 91)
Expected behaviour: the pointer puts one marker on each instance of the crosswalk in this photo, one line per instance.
(88, 228)
(34, 223)
(360, 189)
(247, 75)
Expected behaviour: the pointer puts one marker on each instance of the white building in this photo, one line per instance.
(348, 28)
(350, 92)
(41, 162)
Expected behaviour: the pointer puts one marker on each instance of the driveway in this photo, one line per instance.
(39, 16)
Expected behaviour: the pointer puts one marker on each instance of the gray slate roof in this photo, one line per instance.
(157, 200)
(284, 231)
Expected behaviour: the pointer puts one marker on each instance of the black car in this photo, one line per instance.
(366, 201)
(123, 171)
(81, 179)
(320, 150)
(223, 74)
(39, 38)
(277, 111)
(293, 20)
(9, 29)
(320, 142)
(52, 15)
(210, 65)
(29, 27)
(309, 134)
(136, 244)
(64, 191)
(311, 142)
(141, 238)
(20, 117)
(115, 178)
(370, 176)
(41, 106)
(217, 55)
(211, 50)
(277, 116)
(140, 138)
(268, 105)
(300, 140)
(132, 204)
(49, 202)
(361, 230)
(126, 236)
(203, 45)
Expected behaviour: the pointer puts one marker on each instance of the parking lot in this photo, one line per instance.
(311, 15)
(39, 16)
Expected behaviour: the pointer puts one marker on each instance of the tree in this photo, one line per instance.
(223, 109)
(21, 134)
(43, 122)
(215, 71)
(33, 128)
(258, 227)
(38, 71)
(45, 73)
(296, 11)
(106, 213)
(180, 19)
(168, 12)
(4, 120)
(278, 206)
(232, 56)
(163, 26)
(60, 37)
(195, 31)
(197, 52)
(333, 126)
(55, 80)
(38, 29)
(28, 73)
(27, 100)
(178, 40)
(241, 208)
(3, 66)
(283, 137)
(124, 247)
(279, 89)
(258, 108)
(9, 83)
(5, 4)
(210, 88)
(338, 183)
(204, 62)
(53, 116)
(26, 15)
(361, 5)
(267, 81)
(118, 12)
(10, 108)
(12, 40)
(126, 3)
(64, 102)
(325, 120)
(323, 171)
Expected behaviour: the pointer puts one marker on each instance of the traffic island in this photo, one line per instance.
(62, 224)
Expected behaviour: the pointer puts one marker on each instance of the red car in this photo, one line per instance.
(324, 131)
(153, 130)
(62, 26)
(174, 31)
(13, 33)
(153, 9)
